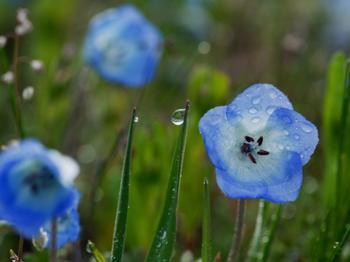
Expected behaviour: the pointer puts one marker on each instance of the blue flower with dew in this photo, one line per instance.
(36, 184)
(68, 229)
(123, 46)
(258, 145)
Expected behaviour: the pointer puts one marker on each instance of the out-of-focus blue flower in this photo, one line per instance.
(123, 47)
(36, 184)
(258, 145)
(68, 229)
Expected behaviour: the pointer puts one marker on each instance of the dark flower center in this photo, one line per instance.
(249, 146)
(39, 179)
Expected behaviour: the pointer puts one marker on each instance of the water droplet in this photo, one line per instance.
(285, 132)
(177, 117)
(28, 93)
(287, 120)
(273, 95)
(270, 109)
(136, 119)
(281, 147)
(296, 137)
(307, 128)
(288, 147)
(256, 100)
(255, 120)
(41, 240)
(252, 110)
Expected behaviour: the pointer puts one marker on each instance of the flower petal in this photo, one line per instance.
(256, 104)
(220, 135)
(276, 178)
(68, 168)
(292, 131)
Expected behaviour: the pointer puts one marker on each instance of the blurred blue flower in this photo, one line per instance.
(36, 184)
(123, 47)
(68, 228)
(258, 145)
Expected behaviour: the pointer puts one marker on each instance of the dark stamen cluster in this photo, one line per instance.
(247, 148)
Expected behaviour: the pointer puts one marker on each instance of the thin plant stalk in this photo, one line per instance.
(53, 251)
(237, 234)
(254, 249)
(206, 238)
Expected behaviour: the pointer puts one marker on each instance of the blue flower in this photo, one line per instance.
(68, 229)
(36, 184)
(123, 47)
(258, 145)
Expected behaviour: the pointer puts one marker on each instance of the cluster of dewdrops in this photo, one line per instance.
(23, 26)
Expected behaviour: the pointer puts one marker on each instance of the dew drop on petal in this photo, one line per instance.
(285, 132)
(296, 137)
(177, 117)
(273, 95)
(256, 100)
(281, 147)
(270, 109)
(255, 120)
(287, 120)
(307, 128)
(252, 110)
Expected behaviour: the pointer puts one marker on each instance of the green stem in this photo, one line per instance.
(53, 253)
(253, 253)
(237, 235)
(206, 239)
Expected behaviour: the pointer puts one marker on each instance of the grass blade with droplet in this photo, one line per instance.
(163, 243)
(95, 252)
(206, 242)
(123, 200)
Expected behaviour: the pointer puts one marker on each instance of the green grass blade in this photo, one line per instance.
(123, 200)
(91, 248)
(206, 239)
(163, 243)
(270, 234)
(332, 124)
(338, 246)
(254, 249)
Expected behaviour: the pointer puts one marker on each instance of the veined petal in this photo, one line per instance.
(256, 104)
(220, 135)
(290, 130)
(276, 178)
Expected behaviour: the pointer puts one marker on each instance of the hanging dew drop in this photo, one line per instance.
(307, 128)
(177, 117)
(136, 119)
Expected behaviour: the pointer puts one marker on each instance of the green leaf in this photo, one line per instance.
(332, 123)
(270, 234)
(91, 248)
(163, 243)
(206, 239)
(123, 200)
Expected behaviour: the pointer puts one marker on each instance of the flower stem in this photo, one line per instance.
(254, 249)
(53, 254)
(237, 234)
(20, 248)
(17, 93)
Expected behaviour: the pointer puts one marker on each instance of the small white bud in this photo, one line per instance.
(37, 65)
(3, 41)
(28, 93)
(8, 77)
(22, 15)
(24, 28)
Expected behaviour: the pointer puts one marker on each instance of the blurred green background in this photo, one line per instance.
(213, 50)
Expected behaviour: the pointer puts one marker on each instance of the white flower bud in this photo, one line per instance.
(23, 29)
(28, 93)
(8, 77)
(3, 41)
(37, 65)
